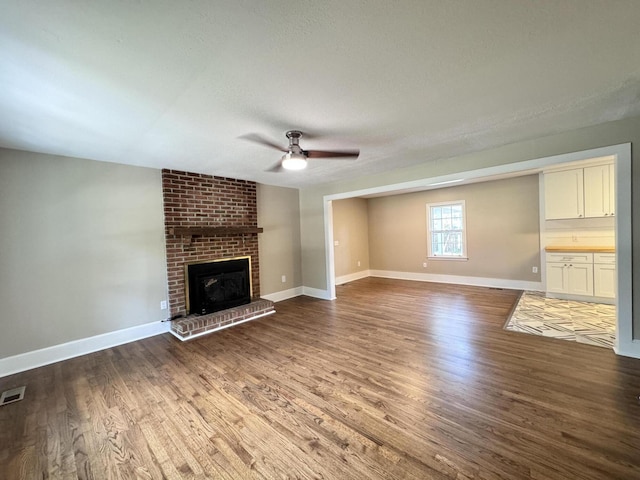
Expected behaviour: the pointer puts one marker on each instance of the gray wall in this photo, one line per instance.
(351, 230)
(279, 244)
(503, 230)
(81, 252)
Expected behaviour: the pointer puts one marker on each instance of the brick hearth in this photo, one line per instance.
(197, 325)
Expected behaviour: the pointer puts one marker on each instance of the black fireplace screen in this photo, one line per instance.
(215, 286)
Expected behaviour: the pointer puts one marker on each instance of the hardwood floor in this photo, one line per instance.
(395, 379)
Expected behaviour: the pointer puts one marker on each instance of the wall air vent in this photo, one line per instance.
(13, 395)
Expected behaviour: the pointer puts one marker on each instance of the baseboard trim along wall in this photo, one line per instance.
(76, 348)
(317, 293)
(628, 349)
(283, 295)
(352, 276)
(421, 277)
(460, 280)
(297, 291)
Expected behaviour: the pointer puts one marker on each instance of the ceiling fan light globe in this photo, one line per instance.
(294, 161)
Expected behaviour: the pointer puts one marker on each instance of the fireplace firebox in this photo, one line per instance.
(217, 285)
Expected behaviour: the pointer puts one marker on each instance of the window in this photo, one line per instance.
(447, 230)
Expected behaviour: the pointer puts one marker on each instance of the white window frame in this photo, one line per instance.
(430, 254)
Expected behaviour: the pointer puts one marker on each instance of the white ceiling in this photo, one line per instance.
(171, 84)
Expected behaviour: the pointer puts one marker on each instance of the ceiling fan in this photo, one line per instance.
(295, 158)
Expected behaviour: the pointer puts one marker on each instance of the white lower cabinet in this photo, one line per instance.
(570, 273)
(604, 275)
(580, 279)
(557, 277)
(581, 274)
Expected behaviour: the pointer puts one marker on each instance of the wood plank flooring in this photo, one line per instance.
(393, 380)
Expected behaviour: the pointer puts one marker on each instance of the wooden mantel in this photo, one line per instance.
(213, 231)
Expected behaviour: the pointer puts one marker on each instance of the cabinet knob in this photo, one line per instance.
(606, 214)
(580, 215)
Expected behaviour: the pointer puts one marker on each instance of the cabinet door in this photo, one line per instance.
(564, 194)
(604, 280)
(597, 196)
(557, 278)
(580, 279)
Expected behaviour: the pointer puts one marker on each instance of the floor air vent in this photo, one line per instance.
(13, 395)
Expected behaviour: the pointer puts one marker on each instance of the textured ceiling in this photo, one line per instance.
(171, 84)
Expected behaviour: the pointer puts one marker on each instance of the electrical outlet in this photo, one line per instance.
(336, 243)
(424, 264)
(358, 262)
(163, 305)
(534, 269)
(284, 278)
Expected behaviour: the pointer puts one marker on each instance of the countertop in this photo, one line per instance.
(580, 248)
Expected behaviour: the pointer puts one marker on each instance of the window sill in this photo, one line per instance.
(457, 259)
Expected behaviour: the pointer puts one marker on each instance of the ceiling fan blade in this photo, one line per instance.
(275, 168)
(330, 154)
(259, 139)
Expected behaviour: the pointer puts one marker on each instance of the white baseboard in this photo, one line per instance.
(296, 292)
(64, 351)
(581, 298)
(352, 277)
(283, 295)
(628, 349)
(316, 293)
(460, 280)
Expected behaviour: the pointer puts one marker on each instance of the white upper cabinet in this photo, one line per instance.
(599, 198)
(579, 193)
(564, 194)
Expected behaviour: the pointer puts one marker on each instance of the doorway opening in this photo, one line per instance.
(622, 160)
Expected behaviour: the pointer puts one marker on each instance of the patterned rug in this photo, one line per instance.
(592, 323)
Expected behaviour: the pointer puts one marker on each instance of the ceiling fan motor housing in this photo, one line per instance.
(295, 158)
(294, 139)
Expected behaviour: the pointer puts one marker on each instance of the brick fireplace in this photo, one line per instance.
(208, 218)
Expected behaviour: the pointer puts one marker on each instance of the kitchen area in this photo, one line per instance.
(577, 235)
